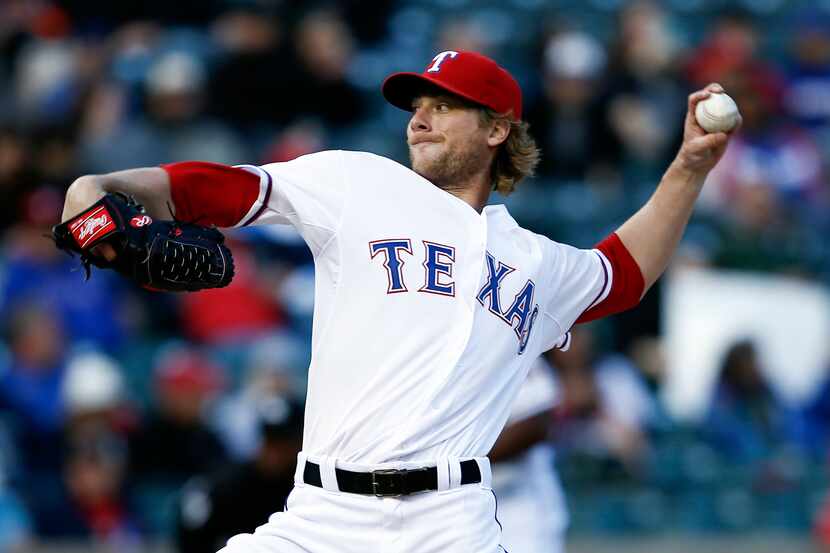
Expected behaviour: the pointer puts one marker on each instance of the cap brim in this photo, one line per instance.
(400, 89)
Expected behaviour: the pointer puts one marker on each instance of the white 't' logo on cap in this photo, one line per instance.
(439, 59)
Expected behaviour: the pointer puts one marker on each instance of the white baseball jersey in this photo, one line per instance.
(427, 313)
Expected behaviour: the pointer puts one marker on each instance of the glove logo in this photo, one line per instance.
(90, 225)
(140, 220)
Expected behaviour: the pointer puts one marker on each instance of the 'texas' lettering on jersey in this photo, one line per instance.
(438, 265)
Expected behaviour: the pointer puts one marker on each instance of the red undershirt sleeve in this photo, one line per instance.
(211, 193)
(627, 284)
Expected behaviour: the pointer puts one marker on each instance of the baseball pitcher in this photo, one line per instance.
(430, 305)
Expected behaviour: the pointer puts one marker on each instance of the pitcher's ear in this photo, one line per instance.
(499, 132)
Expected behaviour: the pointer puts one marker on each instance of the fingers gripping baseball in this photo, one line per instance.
(701, 150)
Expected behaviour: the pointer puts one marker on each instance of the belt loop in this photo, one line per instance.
(327, 474)
(486, 472)
(298, 473)
(443, 474)
(455, 472)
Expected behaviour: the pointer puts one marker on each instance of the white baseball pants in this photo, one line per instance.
(453, 519)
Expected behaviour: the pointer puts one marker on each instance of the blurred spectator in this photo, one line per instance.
(271, 369)
(16, 175)
(244, 309)
(210, 510)
(568, 122)
(15, 21)
(31, 378)
(262, 81)
(255, 82)
(647, 355)
(175, 128)
(605, 409)
(770, 151)
(645, 98)
(463, 34)
(175, 443)
(531, 503)
(133, 48)
(325, 48)
(731, 46)
(93, 396)
(93, 506)
(807, 94)
(175, 103)
(629, 394)
(37, 271)
(746, 421)
(757, 235)
(296, 140)
(48, 81)
(55, 156)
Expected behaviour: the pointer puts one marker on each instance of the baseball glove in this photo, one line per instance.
(158, 255)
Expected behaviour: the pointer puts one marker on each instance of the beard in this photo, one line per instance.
(452, 168)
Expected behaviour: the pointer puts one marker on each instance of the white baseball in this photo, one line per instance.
(717, 113)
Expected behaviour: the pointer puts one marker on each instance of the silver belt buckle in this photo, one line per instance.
(393, 486)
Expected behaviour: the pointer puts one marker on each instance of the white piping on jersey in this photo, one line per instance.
(265, 184)
(609, 280)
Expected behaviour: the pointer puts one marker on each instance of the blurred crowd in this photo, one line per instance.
(113, 398)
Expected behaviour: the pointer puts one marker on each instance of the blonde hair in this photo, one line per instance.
(516, 158)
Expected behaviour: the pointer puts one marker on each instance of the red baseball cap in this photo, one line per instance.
(467, 74)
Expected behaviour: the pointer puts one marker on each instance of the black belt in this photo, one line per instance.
(389, 482)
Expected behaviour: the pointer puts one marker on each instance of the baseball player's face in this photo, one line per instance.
(447, 142)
